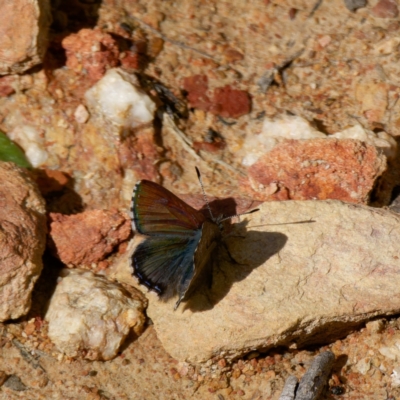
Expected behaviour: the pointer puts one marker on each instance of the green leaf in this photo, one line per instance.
(9, 151)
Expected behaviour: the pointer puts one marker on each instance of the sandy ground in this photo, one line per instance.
(315, 59)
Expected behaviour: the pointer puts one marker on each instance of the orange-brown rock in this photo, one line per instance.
(231, 103)
(130, 60)
(91, 50)
(88, 237)
(6, 85)
(197, 87)
(226, 101)
(317, 169)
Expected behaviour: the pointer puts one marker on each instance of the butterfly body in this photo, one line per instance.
(178, 241)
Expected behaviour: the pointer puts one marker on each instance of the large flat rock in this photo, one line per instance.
(299, 272)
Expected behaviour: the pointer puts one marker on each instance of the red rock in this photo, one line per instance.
(231, 103)
(6, 86)
(197, 87)
(386, 9)
(102, 265)
(226, 102)
(292, 13)
(233, 55)
(38, 323)
(6, 90)
(318, 169)
(88, 237)
(214, 147)
(92, 51)
(130, 60)
(29, 328)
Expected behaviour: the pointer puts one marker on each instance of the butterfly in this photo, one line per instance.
(177, 240)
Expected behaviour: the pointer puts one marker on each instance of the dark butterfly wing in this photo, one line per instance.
(170, 265)
(166, 264)
(155, 211)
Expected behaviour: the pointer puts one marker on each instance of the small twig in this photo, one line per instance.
(289, 389)
(187, 144)
(227, 123)
(315, 8)
(315, 379)
(265, 81)
(182, 138)
(26, 355)
(313, 382)
(307, 221)
(172, 41)
(222, 163)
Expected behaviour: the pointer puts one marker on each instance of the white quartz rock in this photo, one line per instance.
(31, 140)
(286, 127)
(89, 315)
(381, 140)
(395, 377)
(273, 132)
(117, 97)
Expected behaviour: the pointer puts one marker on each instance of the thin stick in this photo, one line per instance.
(26, 355)
(315, 8)
(316, 377)
(265, 81)
(307, 221)
(289, 390)
(182, 138)
(221, 162)
(175, 42)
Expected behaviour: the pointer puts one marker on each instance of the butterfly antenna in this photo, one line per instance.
(238, 215)
(204, 193)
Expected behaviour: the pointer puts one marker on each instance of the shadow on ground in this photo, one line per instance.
(251, 250)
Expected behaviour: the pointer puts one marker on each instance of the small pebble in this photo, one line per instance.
(14, 383)
(386, 9)
(353, 5)
(375, 326)
(81, 114)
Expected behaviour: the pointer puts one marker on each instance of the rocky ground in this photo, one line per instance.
(229, 87)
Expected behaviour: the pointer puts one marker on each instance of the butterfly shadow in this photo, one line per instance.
(237, 255)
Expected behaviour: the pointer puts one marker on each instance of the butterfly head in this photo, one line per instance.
(221, 218)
